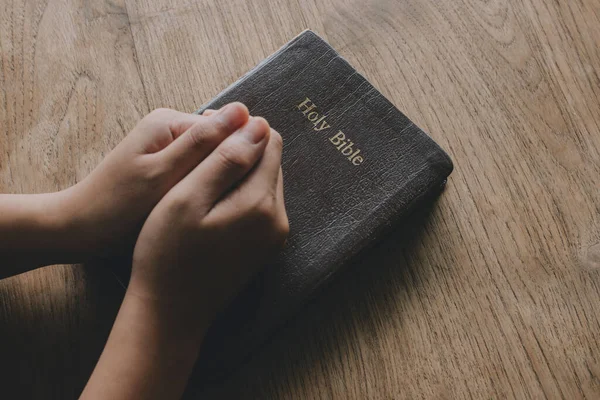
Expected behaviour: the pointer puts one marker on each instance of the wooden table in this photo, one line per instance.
(495, 295)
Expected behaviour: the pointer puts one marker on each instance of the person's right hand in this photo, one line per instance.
(215, 228)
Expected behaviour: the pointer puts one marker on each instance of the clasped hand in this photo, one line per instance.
(199, 198)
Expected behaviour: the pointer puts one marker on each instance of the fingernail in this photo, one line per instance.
(231, 116)
(226, 114)
(255, 130)
(223, 110)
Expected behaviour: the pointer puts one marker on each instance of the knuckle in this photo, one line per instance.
(152, 171)
(261, 124)
(233, 157)
(282, 228)
(179, 204)
(277, 139)
(218, 123)
(158, 113)
(154, 176)
(266, 211)
(285, 226)
(157, 118)
(186, 209)
(198, 136)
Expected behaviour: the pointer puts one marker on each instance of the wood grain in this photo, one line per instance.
(493, 293)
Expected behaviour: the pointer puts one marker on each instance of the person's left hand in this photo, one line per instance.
(105, 211)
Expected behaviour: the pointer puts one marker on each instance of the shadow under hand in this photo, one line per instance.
(54, 324)
(364, 297)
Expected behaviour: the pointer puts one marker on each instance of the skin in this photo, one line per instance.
(200, 201)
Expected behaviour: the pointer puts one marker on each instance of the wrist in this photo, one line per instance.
(34, 233)
(33, 222)
(150, 353)
(155, 331)
(64, 218)
(180, 318)
(181, 323)
(83, 231)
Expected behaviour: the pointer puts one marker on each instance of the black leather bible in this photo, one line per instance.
(353, 166)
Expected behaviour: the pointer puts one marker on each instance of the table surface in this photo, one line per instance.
(494, 295)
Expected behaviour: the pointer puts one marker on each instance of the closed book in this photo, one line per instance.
(353, 166)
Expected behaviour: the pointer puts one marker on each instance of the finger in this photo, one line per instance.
(265, 176)
(279, 197)
(172, 123)
(281, 211)
(200, 139)
(230, 161)
(263, 179)
(279, 192)
(180, 122)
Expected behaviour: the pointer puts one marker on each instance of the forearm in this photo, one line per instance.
(150, 352)
(34, 232)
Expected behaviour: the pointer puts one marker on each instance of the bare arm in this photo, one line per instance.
(149, 354)
(207, 194)
(107, 209)
(33, 233)
(201, 243)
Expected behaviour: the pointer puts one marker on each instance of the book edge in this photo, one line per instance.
(364, 80)
(397, 214)
(327, 280)
(391, 106)
(257, 67)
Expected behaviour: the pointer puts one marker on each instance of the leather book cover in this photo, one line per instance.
(353, 166)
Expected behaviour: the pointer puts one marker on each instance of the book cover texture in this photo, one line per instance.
(353, 166)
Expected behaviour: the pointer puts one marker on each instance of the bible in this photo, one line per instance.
(353, 167)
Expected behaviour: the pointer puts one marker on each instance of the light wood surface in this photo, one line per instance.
(495, 294)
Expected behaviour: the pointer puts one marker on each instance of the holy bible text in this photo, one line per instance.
(342, 143)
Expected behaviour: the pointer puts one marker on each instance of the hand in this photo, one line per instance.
(106, 210)
(215, 228)
(209, 234)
